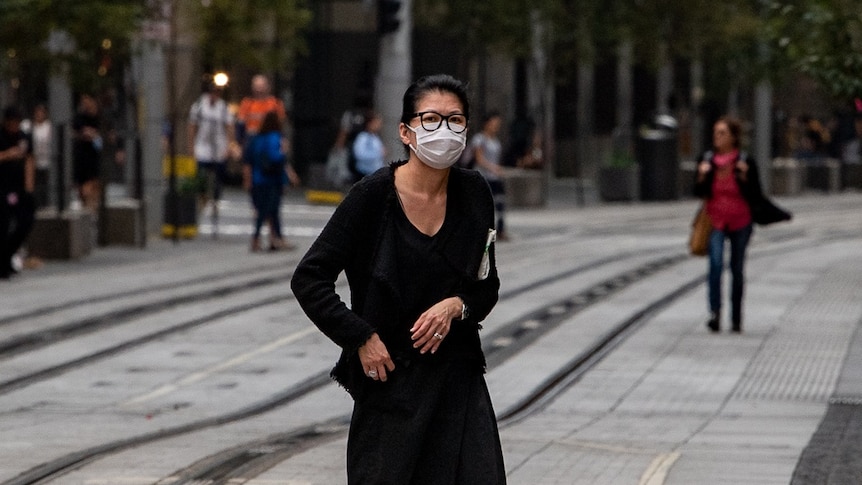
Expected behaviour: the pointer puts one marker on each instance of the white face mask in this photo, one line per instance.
(439, 148)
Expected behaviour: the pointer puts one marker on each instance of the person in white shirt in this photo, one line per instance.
(210, 134)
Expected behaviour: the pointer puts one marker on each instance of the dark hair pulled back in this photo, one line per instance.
(438, 82)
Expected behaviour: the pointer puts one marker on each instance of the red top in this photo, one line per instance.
(727, 208)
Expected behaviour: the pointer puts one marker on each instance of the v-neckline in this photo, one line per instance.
(403, 212)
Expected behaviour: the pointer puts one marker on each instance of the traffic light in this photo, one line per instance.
(387, 16)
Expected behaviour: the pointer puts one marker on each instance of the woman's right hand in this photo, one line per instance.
(703, 167)
(375, 358)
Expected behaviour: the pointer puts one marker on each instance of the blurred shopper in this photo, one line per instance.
(728, 180)
(210, 132)
(87, 152)
(368, 150)
(487, 153)
(40, 132)
(264, 175)
(17, 180)
(415, 241)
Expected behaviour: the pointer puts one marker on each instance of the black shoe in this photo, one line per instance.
(713, 323)
(737, 327)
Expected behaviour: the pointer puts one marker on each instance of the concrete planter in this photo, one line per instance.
(788, 176)
(619, 183)
(851, 176)
(524, 188)
(824, 175)
(124, 223)
(61, 236)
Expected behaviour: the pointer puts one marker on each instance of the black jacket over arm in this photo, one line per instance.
(359, 239)
(763, 211)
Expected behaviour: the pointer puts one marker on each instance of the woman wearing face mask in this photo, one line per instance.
(415, 240)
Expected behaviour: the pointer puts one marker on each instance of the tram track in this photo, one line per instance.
(39, 339)
(34, 377)
(44, 310)
(34, 340)
(253, 458)
(256, 457)
(244, 462)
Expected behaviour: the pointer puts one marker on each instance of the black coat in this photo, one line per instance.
(359, 240)
(763, 210)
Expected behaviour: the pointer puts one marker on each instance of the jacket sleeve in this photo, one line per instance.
(481, 295)
(313, 282)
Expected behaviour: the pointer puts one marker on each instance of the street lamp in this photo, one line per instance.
(220, 79)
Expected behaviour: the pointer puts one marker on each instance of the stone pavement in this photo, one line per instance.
(673, 403)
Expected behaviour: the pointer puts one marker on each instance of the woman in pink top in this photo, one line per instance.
(729, 183)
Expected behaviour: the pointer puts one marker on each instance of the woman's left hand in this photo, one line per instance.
(432, 326)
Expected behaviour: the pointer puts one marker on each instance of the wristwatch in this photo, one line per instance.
(465, 312)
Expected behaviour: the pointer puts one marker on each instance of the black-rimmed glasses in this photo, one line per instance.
(432, 120)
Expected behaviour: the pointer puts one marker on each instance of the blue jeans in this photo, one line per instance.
(266, 199)
(738, 243)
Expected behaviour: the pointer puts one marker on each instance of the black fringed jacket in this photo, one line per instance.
(359, 239)
(763, 210)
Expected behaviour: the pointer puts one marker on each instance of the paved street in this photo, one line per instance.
(192, 363)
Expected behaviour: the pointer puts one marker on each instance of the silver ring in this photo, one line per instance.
(438, 336)
(372, 373)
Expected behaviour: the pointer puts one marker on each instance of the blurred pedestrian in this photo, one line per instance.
(265, 172)
(727, 179)
(210, 132)
(415, 242)
(340, 157)
(488, 152)
(17, 180)
(87, 152)
(368, 150)
(814, 139)
(40, 132)
(253, 109)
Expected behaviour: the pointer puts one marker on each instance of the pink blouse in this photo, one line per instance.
(727, 208)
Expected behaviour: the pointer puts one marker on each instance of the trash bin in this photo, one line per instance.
(657, 155)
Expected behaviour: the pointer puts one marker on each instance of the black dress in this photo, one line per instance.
(432, 421)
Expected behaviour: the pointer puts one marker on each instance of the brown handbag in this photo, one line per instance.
(701, 227)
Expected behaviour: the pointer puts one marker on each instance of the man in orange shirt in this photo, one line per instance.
(253, 108)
